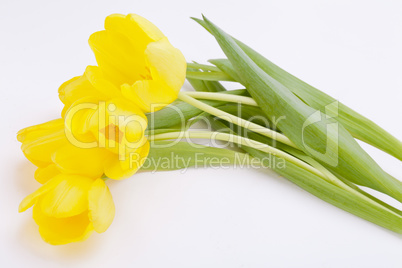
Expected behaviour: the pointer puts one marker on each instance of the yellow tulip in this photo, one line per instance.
(102, 128)
(68, 208)
(91, 84)
(116, 127)
(39, 143)
(93, 139)
(135, 61)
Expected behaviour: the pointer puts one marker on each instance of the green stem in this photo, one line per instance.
(203, 67)
(334, 180)
(222, 97)
(209, 76)
(238, 140)
(307, 164)
(236, 120)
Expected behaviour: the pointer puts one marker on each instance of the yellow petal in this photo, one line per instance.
(118, 125)
(68, 198)
(131, 121)
(168, 71)
(41, 141)
(117, 57)
(33, 132)
(119, 50)
(68, 88)
(59, 231)
(44, 174)
(149, 95)
(121, 169)
(83, 161)
(77, 122)
(135, 27)
(117, 169)
(104, 89)
(166, 63)
(101, 206)
(31, 199)
(75, 89)
(92, 84)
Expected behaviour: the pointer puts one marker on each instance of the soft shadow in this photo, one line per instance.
(284, 181)
(28, 235)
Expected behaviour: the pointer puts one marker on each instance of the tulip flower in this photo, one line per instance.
(113, 129)
(68, 208)
(39, 143)
(135, 60)
(106, 138)
(91, 84)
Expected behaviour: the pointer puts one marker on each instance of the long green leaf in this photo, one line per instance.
(374, 211)
(322, 189)
(173, 155)
(359, 126)
(203, 67)
(329, 143)
(309, 182)
(209, 76)
(336, 196)
(225, 66)
(208, 86)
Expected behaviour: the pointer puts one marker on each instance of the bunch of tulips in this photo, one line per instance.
(127, 113)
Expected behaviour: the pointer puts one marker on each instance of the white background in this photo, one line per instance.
(204, 217)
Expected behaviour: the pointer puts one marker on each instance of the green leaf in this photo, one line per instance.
(209, 76)
(175, 115)
(359, 126)
(225, 66)
(173, 155)
(329, 143)
(374, 211)
(337, 196)
(203, 67)
(214, 86)
(160, 131)
(208, 86)
(305, 180)
(252, 113)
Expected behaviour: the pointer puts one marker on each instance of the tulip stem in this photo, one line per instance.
(236, 120)
(222, 97)
(209, 76)
(307, 163)
(238, 140)
(203, 67)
